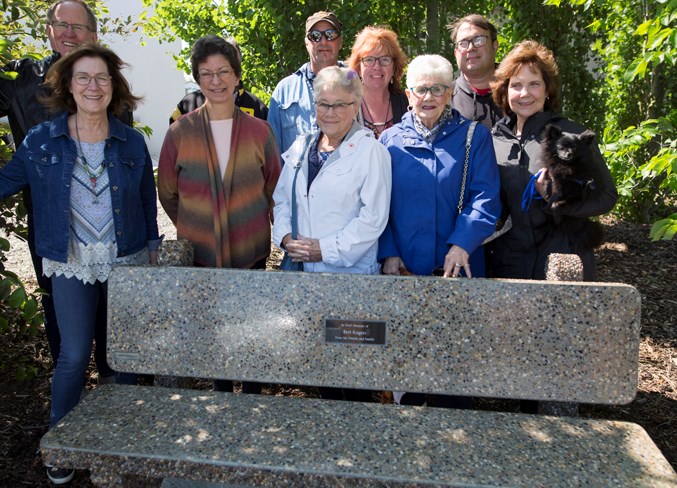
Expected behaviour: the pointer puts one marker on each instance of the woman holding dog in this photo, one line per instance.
(526, 87)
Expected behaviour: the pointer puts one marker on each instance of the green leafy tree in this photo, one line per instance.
(636, 43)
(271, 33)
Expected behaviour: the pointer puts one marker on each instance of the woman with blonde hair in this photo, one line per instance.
(379, 60)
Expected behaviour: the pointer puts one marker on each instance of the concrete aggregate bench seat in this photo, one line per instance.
(286, 441)
(505, 339)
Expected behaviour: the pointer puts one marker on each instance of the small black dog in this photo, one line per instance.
(569, 161)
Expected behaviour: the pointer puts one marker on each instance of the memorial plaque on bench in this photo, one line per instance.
(457, 336)
(363, 332)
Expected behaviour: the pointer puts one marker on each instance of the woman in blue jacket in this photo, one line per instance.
(94, 204)
(445, 196)
(439, 213)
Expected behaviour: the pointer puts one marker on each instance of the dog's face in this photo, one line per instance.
(566, 146)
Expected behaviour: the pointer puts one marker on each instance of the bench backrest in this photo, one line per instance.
(495, 338)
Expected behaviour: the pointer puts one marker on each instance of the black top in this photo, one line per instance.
(473, 106)
(399, 105)
(522, 251)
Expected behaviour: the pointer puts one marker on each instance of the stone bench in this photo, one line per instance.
(570, 342)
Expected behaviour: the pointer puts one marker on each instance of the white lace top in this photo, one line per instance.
(92, 250)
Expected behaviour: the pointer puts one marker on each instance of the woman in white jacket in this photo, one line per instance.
(341, 180)
(342, 188)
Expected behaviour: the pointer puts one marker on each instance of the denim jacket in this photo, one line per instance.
(44, 163)
(292, 108)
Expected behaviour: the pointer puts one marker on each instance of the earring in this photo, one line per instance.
(391, 81)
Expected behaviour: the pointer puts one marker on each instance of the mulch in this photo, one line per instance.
(627, 256)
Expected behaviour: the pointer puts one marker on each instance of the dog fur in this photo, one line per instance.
(568, 159)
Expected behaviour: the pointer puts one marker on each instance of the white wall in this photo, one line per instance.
(152, 73)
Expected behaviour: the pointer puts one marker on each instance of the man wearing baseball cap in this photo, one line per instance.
(292, 110)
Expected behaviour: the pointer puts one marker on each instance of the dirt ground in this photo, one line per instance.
(627, 256)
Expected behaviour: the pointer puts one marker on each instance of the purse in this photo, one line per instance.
(502, 226)
(287, 264)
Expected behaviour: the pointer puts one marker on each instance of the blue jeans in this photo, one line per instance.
(51, 325)
(78, 308)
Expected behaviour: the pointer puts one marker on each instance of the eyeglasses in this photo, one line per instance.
(329, 34)
(477, 41)
(222, 74)
(436, 90)
(370, 61)
(61, 26)
(339, 107)
(83, 79)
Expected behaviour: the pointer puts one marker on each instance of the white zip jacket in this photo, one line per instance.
(347, 206)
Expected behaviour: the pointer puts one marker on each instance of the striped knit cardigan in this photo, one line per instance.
(228, 221)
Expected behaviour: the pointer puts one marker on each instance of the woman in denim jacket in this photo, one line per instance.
(94, 201)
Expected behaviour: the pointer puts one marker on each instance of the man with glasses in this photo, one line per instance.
(475, 42)
(70, 23)
(292, 110)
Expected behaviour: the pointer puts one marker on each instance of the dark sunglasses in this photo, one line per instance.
(329, 34)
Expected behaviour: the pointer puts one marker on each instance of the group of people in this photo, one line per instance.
(354, 173)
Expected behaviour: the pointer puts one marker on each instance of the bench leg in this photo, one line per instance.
(174, 382)
(558, 409)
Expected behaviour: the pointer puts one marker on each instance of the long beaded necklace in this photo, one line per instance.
(377, 127)
(93, 176)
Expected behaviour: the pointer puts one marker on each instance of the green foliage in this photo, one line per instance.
(562, 30)
(143, 129)
(271, 33)
(637, 44)
(664, 229)
(17, 306)
(643, 160)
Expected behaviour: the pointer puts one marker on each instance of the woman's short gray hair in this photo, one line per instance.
(334, 77)
(430, 65)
